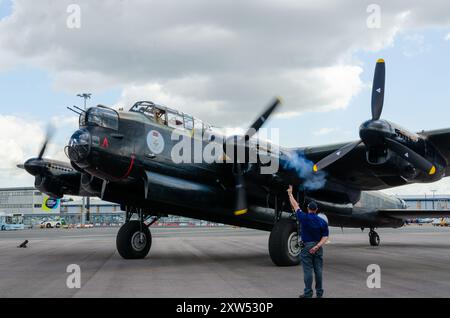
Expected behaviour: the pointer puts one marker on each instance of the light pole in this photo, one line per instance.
(86, 200)
(434, 192)
(85, 96)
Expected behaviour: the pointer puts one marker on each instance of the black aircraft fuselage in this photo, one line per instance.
(115, 153)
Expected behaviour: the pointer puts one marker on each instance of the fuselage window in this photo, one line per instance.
(188, 122)
(102, 117)
(175, 120)
(148, 111)
(198, 127)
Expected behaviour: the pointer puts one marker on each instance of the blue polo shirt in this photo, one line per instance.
(313, 227)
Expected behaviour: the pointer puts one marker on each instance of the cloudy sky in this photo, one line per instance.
(221, 61)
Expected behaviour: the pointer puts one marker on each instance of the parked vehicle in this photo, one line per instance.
(10, 221)
(441, 222)
(49, 224)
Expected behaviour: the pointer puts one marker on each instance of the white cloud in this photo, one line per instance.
(21, 139)
(413, 45)
(447, 37)
(225, 63)
(206, 98)
(324, 131)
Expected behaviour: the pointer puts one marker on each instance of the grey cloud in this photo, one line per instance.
(226, 56)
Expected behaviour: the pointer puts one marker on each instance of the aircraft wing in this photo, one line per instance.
(406, 214)
(440, 138)
(352, 170)
(55, 178)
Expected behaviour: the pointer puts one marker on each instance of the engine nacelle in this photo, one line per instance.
(91, 184)
(48, 185)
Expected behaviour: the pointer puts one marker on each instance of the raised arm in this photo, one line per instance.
(294, 203)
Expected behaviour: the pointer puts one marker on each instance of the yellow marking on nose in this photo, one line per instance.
(240, 212)
(432, 170)
(380, 61)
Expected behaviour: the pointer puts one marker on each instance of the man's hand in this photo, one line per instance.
(289, 190)
(314, 249)
(294, 203)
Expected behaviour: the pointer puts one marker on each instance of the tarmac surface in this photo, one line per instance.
(220, 262)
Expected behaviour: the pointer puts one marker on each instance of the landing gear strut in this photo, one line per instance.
(374, 238)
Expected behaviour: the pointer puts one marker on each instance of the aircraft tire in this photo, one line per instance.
(283, 244)
(128, 242)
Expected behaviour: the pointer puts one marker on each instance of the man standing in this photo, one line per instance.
(314, 232)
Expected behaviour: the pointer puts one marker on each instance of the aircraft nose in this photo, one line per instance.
(33, 166)
(79, 146)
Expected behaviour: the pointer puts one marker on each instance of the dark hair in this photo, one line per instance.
(312, 206)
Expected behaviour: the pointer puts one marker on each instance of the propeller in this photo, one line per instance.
(375, 126)
(328, 160)
(34, 166)
(259, 122)
(240, 207)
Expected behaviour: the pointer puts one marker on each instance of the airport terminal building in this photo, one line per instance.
(427, 202)
(36, 207)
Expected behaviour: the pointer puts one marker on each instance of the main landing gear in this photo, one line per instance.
(134, 239)
(284, 247)
(374, 238)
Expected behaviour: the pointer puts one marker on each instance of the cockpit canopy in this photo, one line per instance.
(100, 116)
(169, 117)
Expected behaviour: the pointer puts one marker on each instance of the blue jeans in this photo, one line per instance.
(310, 263)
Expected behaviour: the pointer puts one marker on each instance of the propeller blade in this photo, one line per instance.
(262, 118)
(41, 153)
(378, 89)
(44, 145)
(240, 206)
(20, 166)
(335, 156)
(411, 156)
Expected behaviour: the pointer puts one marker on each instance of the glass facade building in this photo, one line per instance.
(37, 207)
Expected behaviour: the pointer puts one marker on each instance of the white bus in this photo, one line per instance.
(10, 221)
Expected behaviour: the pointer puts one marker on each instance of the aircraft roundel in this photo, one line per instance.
(155, 142)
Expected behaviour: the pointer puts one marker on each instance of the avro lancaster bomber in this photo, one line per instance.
(127, 157)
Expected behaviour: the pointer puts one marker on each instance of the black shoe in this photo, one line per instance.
(304, 296)
(319, 296)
